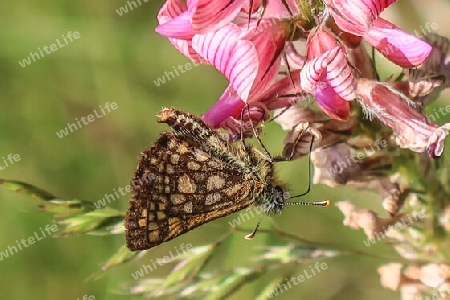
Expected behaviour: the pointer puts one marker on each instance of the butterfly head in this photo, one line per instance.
(272, 199)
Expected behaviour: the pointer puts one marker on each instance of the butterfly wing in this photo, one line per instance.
(179, 187)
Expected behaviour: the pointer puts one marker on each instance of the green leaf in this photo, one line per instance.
(190, 265)
(230, 284)
(52, 204)
(123, 255)
(93, 222)
(291, 253)
(270, 288)
(26, 189)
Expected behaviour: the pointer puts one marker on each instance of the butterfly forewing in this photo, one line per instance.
(187, 187)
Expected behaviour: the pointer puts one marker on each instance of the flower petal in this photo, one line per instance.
(413, 130)
(269, 45)
(330, 67)
(209, 15)
(228, 105)
(339, 74)
(247, 123)
(364, 219)
(171, 10)
(398, 46)
(319, 41)
(331, 103)
(356, 16)
(284, 92)
(295, 60)
(178, 27)
(237, 59)
(278, 9)
(437, 141)
(313, 73)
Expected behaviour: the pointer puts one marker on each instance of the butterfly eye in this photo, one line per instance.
(278, 195)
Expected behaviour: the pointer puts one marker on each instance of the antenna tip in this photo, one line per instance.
(327, 203)
(250, 236)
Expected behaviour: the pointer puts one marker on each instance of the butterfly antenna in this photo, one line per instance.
(255, 133)
(252, 235)
(315, 203)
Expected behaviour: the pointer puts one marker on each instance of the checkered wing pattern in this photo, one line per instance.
(186, 187)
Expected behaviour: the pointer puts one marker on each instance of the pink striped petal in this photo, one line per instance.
(178, 28)
(356, 16)
(228, 105)
(398, 46)
(412, 130)
(313, 73)
(237, 59)
(319, 41)
(353, 19)
(269, 45)
(329, 68)
(333, 105)
(285, 92)
(277, 9)
(171, 9)
(185, 47)
(256, 6)
(339, 74)
(209, 15)
(294, 59)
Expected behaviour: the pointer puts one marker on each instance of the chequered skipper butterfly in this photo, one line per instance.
(197, 177)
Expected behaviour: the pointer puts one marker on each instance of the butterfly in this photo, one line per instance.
(193, 176)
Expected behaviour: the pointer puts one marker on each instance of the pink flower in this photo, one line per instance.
(249, 59)
(356, 16)
(360, 17)
(209, 15)
(412, 130)
(175, 24)
(226, 113)
(232, 37)
(396, 45)
(228, 105)
(327, 75)
(180, 21)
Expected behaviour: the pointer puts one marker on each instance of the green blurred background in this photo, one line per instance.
(116, 59)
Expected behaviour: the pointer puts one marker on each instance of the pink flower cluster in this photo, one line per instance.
(251, 42)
